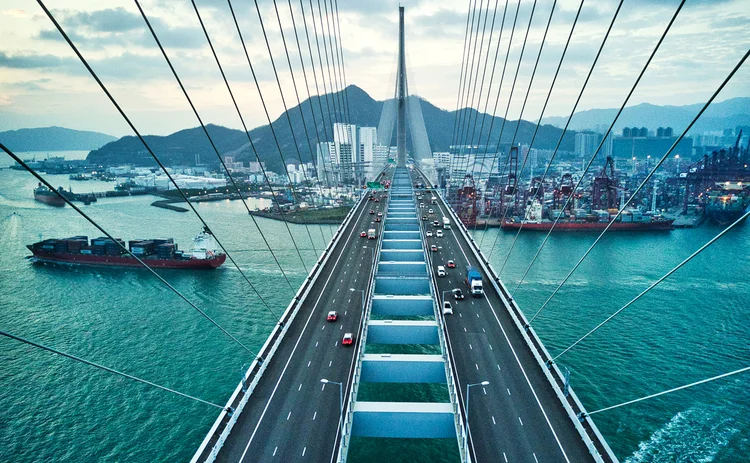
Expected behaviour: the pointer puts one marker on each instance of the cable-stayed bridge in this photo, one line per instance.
(504, 397)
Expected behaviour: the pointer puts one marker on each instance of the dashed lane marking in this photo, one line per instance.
(315, 415)
(493, 421)
(288, 416)
(520, 421)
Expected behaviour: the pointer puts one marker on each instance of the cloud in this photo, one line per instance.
(16, 13)
(109, 21)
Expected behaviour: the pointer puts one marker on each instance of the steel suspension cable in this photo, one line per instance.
(339, 60)
(332, 80)
(464, 54)
(510, 99)
(247, 132)
(211, 141)
(108, 369)
(463, 86)
(122, 246)
(334, 57)
(466, 111)
(562, 134)
(470, 101)
(645, 180)
(679, 388)
(484, 75)
(148, 148)
(299, 105)
(502, 79)
(286, 109)
(341, 52)
(655, 284)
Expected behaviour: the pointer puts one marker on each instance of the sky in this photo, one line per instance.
(43, 83)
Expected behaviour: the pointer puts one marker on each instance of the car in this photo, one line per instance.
(372, 211)
(435, 223)
(451, 264)
(458, 294)
(332, 316)
(433, 248)
(447, 308)
(363, 234)
(440, 271)
(421, 204)
(424, 217)
(380, 214)
(377, 200)
(429, 233)
(348, 339)
(430, 211)
(439, 233)
(371, 198)
(377, 219)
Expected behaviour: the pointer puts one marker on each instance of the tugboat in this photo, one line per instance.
(47, 196)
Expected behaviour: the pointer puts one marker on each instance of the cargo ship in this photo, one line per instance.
(579, 220)
(156, 253)
(727, 202)
(47, 196)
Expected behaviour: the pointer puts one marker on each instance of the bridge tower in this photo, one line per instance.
(401, 92)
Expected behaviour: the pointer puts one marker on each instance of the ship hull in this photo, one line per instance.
(50, 199)
(122, 261)
(724, 216)
(660, 225)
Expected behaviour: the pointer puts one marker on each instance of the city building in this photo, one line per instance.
(586, 144)
(354, 157)
(639, 143)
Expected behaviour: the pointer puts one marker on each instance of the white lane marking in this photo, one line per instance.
(315, 415)
(506, 457)
(470, 346)
(472, 302)
(338, 290)
(345, 311)
(289, 415)
(323, 327)
(329, 363)
(507, 390)
(305, 450)
(493, 421)
(342, 280)
(465, 330)
(483, 330)
(518, 361)
(498, 368)
(316, 343)
(477, 365)
(308, 363)
(485, 391)
(350, 300)
(490, 346)
(336, 344)
(333, 301)
(520, 421)
(341, 327)
(477, 315)
(300, 387)
(537, 461)
(274, 451)
(324, 386)
(461, 315)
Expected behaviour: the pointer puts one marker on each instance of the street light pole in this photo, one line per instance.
(468, 387)
(341, 403)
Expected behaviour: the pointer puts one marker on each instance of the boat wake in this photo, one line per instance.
(694, 435)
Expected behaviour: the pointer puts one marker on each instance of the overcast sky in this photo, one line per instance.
(43, 83)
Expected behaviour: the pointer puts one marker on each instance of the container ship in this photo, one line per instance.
(727, 202)
(580, 220)
(157, 253)
(47, 196)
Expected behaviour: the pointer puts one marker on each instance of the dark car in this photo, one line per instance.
(458, 294)
(424, 217)
(372, 211)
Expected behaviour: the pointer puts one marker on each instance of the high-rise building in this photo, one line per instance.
(587, 143)
(354, 155)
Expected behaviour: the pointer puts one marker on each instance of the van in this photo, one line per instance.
(440, 271)
(447, 308)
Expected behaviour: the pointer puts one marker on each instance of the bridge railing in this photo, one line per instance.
(223, 425)
(587, 429)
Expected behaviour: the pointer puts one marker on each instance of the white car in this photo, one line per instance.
(440, 271)
(430, 211)
(439, 233)
(447, 308)
(429, 233)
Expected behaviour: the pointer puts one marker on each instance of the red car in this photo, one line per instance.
(433, 248)
(348, 339)
(377, 219)
(332, 316)
(363, 235)
(451, 264)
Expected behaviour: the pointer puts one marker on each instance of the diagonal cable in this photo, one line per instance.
(151, 152)
(464, 54)
(211, 141)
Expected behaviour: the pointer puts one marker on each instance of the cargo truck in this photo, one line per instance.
(371, 235)
(474, 281)
(446, 223)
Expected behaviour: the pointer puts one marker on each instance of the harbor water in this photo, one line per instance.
(52, 409)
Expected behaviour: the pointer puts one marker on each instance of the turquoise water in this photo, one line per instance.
(51, 409)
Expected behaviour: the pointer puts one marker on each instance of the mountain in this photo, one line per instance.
(718, 116)
(53, 139)
(182, 147)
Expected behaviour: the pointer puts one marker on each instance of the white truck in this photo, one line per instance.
(371, 234)
(446, 223)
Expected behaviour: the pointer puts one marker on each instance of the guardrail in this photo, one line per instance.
(586, 428)
(222, 427)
